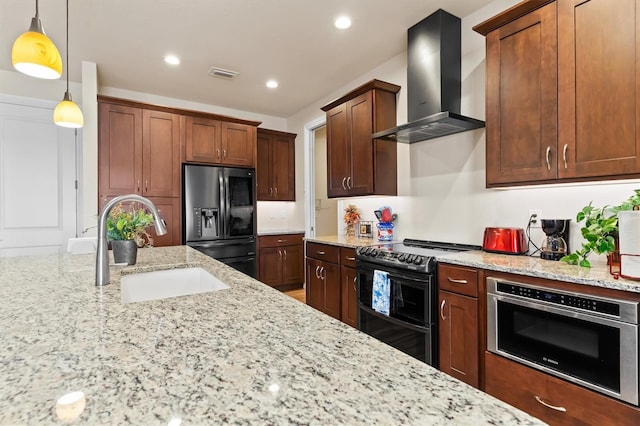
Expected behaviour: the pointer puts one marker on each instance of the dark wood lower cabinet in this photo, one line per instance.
(553, 400)
(458, 342)
(323, 287)
(281, 260)
(349, 296)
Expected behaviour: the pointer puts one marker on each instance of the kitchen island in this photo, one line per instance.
(244, 355)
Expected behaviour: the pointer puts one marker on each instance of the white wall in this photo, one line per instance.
(441, 182)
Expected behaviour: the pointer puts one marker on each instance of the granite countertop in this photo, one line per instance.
(244, 355)
(345, 241)
(280, 232)
(597, 275)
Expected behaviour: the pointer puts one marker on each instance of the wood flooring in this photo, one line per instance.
(297, 293)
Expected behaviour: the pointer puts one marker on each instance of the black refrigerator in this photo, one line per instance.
(218, 210)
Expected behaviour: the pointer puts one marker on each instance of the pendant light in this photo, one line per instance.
(67, 113)
(34, 53)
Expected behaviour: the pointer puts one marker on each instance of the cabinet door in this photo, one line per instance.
(338, 151)
(292, 264)
(349, 296)
(315, 285)
(161, 154)
(283, 168)
(360, 122)
(330, 274)
(119, 150)
(599, 81)
(270, 266)
(264, 188)
(521, 103)
(202, 140)
(238, 144)
(169, 209)
(458, 342)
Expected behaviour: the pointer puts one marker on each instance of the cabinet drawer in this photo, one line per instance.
(324, 252)
(348, 257)
(529, 389)
(458, 279)
(279, 240)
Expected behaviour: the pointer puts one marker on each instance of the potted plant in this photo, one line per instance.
(126, 231)
(600, 230)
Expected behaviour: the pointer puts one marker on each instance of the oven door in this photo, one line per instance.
(593, 351)
(410, 326)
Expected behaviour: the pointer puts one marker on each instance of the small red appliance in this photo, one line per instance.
(504, 240)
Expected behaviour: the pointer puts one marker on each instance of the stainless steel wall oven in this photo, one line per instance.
(585, 339)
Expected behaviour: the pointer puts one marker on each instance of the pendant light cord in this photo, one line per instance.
(37, 14)
(67, 43)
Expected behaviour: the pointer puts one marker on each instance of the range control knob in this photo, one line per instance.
(402, 257)
(410, 258)
(418, 260)
(374, 252)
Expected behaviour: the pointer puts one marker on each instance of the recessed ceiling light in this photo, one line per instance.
(272, 84)
(172, 59)
(342, 22)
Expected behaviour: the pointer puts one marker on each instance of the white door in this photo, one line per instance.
(37, 179)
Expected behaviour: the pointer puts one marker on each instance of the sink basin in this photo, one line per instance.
(169, 283)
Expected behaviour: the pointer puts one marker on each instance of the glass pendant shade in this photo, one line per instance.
(34, 53)
(68, 113)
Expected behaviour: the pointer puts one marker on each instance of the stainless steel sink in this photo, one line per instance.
(156, 285)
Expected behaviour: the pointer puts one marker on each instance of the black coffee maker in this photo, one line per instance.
(556, 244)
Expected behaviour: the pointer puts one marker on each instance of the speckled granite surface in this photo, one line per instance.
(344, 241)
(245, 355)
(597, 275)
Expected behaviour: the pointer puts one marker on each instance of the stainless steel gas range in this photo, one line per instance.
(397, 294)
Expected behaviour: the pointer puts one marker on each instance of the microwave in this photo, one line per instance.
(588, 340)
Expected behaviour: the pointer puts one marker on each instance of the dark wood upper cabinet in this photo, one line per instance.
(139, 151)
(562, 92)
(356, 164)
(275, 166)
(218, 142)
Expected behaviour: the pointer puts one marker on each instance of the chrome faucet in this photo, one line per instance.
(102, 255)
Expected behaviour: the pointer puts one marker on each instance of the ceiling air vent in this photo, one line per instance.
(222, 73)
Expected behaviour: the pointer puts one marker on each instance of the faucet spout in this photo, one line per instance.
(102, 254)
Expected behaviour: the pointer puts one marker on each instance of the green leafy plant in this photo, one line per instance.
(129, 224)
(600, 230)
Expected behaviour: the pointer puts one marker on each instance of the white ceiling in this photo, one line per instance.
(292, 41)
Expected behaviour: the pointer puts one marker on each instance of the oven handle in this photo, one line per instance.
(553, 407)
(369, 271)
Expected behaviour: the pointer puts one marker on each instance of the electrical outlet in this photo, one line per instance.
(535, 215)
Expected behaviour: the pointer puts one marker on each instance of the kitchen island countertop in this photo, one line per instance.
(598, 275)
(244, 355)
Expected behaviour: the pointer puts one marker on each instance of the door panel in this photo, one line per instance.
(264, 190)
(161, 148)
(359, 114)
(37, 183)
(292, 264)
(338, 151)
(283, 168)
(238, 144)
(203, 140)
(270, 265)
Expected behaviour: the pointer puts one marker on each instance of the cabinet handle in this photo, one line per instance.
(349, 182)
(547, 156)
(280, 253)
(553, 407)
(564, 154)
(138, 190)
(270, 192)
(321, 253)
(285, 254)
(317, 274)
(453, 280)
(276, 190)
(344, 185)
(224, 153)
(355, 280)
(218, 153)
(146, 185)
(282, 241)
(442, 310)
(323, 273)
(350, 258)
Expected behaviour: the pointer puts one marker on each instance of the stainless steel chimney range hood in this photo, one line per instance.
(433, 82)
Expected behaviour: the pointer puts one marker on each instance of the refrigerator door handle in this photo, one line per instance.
(223, 207)
(227, 206)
